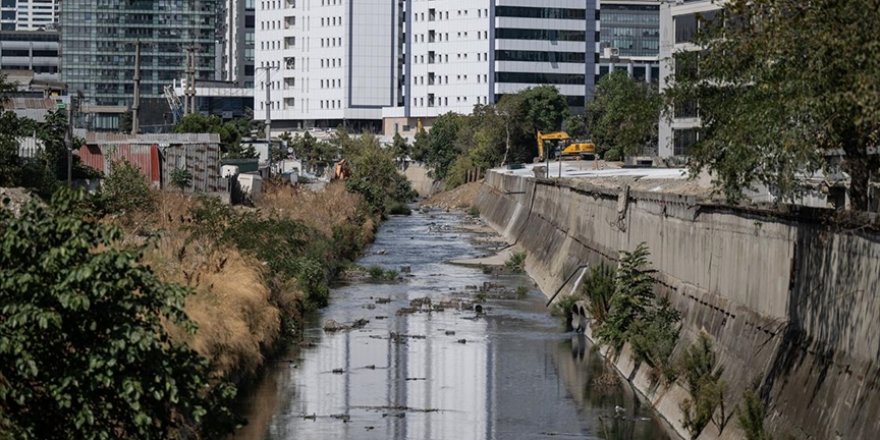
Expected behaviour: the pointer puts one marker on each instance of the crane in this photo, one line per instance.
(173, 103)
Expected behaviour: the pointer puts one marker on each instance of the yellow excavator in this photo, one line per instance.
(570, 149)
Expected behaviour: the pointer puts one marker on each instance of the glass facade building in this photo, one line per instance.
(633, 29)
(98, 39)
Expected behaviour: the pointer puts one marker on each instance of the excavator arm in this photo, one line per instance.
(554, 136)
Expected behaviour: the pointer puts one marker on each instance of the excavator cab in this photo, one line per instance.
(569, 149)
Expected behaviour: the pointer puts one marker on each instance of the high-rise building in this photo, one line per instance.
(98, 40)
(28, 15)
(361, 61)
(324, 62)
(630, 38)
(679, 23)
(459, 53)
(237, 43)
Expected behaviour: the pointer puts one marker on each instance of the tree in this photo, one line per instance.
(784, 84)
(312, 151)
(374, 174)
(84, 348)
(125, 189)
(231, 132)
(399, 147)
(10, 127)
(624, 114)
(440, 150)
(531, 110)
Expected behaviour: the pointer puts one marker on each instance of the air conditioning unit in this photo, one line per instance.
(610, 52)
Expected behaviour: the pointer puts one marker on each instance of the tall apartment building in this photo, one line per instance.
(679, 24)
(237, 43)
(361, 61)
(325, 62)
(630, 38)
(28, 15)
(459, 53)
(98, 39)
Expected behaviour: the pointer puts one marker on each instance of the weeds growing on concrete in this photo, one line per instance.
(751, 416)
(516, 262)
(703, 377)
(473, 211)
(379, 274)
(599, 288)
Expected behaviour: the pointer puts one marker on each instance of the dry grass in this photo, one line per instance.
(320, 210)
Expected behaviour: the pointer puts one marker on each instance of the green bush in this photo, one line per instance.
(181, 178)
(516, 262)
(522, 292)
(473, 211)
(613, 155)
(633, 295)
(751, 416)
(399, 208)
(707, 390)
(84, 348)
(125, 189)
(379, 274)
(599, 288)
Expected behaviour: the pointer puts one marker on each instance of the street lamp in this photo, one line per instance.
(268, 106)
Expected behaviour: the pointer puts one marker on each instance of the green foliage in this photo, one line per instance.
(379, 274)
(474, 211)
(231, 132)
(181, 178)
(400, 149)
(613, 155)
(516, 263)
(399, 208)
(632, 296)
(703, 378)
(538, 108)
(522, 292)
(440, 150)
(751, 416)
(374, 174)
(777, 89)
(599, 289)
(313, 152)
(125, 189)
(624, 114)
(653, 338)
(84, 350)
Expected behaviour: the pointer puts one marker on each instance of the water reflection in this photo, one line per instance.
(442, 374)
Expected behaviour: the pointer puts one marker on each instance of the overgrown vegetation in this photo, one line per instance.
(633, 314)
(778, 95)
(516, 263)
(623, 116)
(125, 190)
(490, 135)
(474, 211)
(751, 416)
(85, 347)
(377, 273)
(374, 173)
(599, 289)
(703, 378)
(231, 133)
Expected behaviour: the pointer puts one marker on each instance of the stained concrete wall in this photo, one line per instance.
(790, 301)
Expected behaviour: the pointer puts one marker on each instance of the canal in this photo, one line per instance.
(427, 365)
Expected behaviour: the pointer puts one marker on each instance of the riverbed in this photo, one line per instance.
(448, 352)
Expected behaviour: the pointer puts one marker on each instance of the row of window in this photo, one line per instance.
(444, 36)
(531, 12)
(431, 101)
(434, 15)
(540, 56)
(444, 79)
(539, 34)
(27, 53)
(539, 78)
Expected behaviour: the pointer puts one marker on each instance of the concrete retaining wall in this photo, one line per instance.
(789, 301)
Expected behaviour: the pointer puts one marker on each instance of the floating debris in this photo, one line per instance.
(338, 371)
(383, 300)
(450, 332)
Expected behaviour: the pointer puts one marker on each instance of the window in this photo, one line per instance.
(539, 34)
(683, 141)
(530, 12)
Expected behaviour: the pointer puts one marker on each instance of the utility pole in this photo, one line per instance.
(136, 105)
(189, 92)
(268, 105)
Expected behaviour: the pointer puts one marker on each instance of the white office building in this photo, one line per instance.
(679, 24)
(28, 15)
(328, 62)
(455, 54)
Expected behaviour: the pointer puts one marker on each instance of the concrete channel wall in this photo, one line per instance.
(790, 302)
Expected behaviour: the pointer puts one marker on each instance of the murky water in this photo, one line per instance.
(510, 373)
